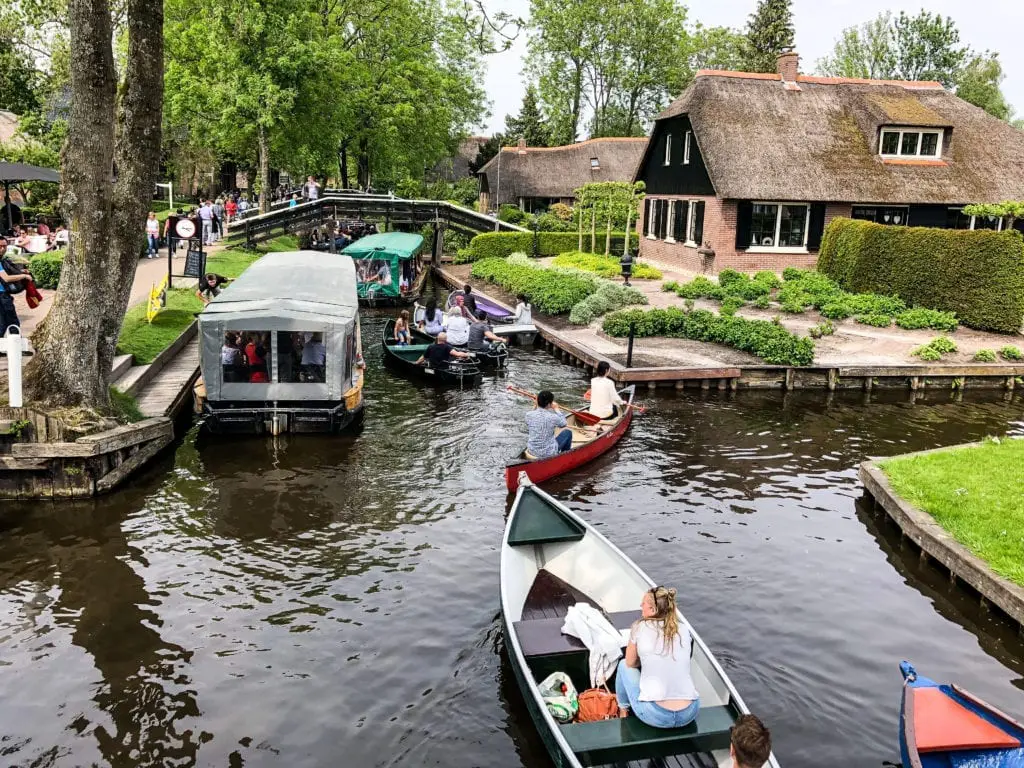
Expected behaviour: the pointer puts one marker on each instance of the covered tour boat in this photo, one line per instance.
(944, 726)
(389, 268)
(589, 440)
(552, 559)
(280, 348)
(461, 373)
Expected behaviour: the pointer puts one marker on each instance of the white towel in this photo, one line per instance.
(597, 633)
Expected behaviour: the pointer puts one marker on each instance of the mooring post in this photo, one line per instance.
(629, 345)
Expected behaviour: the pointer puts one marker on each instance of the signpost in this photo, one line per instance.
(195, 257)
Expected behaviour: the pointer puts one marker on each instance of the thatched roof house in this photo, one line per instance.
(536, 177)
(456, 167)
(754, 165)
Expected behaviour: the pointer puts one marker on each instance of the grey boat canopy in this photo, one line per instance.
(289, 286)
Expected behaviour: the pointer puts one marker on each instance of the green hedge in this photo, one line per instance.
(766, 339)
(979, 275)
(45, 268)
(604, 266)
(496, 245)
(553, 292)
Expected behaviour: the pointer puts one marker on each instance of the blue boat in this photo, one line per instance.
(943, 726)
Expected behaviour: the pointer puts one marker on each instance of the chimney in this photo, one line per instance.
(522, 146)
(788, 64)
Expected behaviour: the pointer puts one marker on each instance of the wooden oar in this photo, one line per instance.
(634, 406)
(586, 418)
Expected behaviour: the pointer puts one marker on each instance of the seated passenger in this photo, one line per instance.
(402, 334)
(460, 302)
(481, 336)
(314, 358)
(458, 328)
(256, 356)
(750, 743)
(654, 679)
(524, 312)
(547, 435)
(440, 353)
(604, 398)
(468, 298)
(433, 318)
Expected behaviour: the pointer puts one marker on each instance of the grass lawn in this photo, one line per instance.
(230, 262)
(146, 340)
(605, 266)
(975, 494)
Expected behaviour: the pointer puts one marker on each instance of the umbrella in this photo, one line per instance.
(21, 172)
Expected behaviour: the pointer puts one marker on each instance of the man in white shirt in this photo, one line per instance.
(206, 214)
(314, 357)
(604, 398)
(312, 189)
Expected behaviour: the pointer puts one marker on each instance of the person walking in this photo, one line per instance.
(311, 189)
(152, 235)
(218, 218)
(206, 217)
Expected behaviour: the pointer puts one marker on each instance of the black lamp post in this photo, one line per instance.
(626, 262)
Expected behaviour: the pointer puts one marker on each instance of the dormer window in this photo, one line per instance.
(595, 164)
(919, 143)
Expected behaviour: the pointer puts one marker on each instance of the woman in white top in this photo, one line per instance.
(458, 328)
(654, 679)
(604, 399)
(524, 311)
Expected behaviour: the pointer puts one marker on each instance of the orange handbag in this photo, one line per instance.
(597, 704)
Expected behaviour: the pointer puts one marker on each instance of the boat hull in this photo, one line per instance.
(250, 419)
(463, 375)
(539, 470)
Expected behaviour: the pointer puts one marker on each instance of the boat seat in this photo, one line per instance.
(628, 738)
(543, 637)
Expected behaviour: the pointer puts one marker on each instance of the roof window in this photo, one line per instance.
(923, 143)
(595, 164)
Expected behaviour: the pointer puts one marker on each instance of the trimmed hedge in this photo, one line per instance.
(45, 268)
(496, 245)
(768, 340)
(551, 291)
(604, 266)
(979, 275)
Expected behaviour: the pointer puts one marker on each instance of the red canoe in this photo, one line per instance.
(588, 443)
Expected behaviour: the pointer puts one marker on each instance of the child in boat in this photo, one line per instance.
(402, 335)
(654, 679)
(750, 743)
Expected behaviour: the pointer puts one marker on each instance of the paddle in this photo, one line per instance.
(582, 416)
(634, 406)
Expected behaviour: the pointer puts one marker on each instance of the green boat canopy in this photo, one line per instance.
(378, 261)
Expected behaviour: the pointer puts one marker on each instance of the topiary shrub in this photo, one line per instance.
(45, 268)
(496, 245)
(978, 275)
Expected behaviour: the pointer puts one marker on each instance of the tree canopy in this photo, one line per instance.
(529, 124)
(769, 33)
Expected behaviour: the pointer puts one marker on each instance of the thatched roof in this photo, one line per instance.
(456, 167)
(558, 171)
(762, 139)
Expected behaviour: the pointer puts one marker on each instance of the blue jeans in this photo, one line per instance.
(564, 440)
(154, 243)
(627, 691)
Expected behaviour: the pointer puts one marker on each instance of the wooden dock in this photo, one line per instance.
(171, 389)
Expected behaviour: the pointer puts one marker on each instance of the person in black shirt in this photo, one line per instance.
(440, 353)
(469, 300)
(209, 287)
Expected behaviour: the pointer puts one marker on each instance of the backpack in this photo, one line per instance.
(13, 269)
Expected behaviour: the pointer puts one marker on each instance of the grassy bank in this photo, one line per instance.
(973, 492)
(146, 340)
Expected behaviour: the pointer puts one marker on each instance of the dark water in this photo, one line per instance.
(333, 602)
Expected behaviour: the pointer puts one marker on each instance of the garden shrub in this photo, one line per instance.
(551, 223)
(730, 304)
(701, 288)
(793, 273)
(935, 349)
(824, 328)
(978, 275)
(45, 268)
(512, 214)
(551, 291)
(919, 317)
(462, 256)
(877, 319)
(1010, 352)
(608, 297)
(763, 302)
(561, 211)
(670, 285)
(836, 310)
(792, 307)
(767, 340)
(984, 356)
(605, 266)
(494, 245)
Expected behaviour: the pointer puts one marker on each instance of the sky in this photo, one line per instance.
(990, 25)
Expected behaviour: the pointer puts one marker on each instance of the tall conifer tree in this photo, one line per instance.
(769, 33)
(530, 123)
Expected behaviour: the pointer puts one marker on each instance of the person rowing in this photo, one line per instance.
(548, 435)
(481, 336)
(604, 398)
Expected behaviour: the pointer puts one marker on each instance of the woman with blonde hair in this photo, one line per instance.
(654, 679)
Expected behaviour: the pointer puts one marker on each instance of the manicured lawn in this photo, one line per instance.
(146, 340)
(976, 494)
(231, 262)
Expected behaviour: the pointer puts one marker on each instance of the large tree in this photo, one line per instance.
(978, 83)
(529, 124)
(769, 33)
(113, 127)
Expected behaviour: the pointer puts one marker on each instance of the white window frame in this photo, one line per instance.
(690, 222)
(1000, 223)
(778, 229)
(670, 229)
(686, 147)
(899, 146)
(652, 204)
(595, 163)
(668, 149)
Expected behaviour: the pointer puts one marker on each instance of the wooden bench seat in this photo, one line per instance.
(543, 637)
(624, 739)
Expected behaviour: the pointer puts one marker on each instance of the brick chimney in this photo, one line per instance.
(788, 65)
(522, 146)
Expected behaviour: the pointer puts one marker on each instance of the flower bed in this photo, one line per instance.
(604, 266)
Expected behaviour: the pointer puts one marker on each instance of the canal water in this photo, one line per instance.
(334, 602)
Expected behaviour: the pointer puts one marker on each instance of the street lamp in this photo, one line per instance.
(626, 262)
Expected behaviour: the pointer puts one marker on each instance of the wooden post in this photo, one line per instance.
(593, 229)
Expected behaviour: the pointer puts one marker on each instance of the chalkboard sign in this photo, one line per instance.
(195, 262)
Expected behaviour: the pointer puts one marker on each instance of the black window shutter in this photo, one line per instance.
(816, 227)
(682, 209)
(698, 223)
(744, 215)
(657, 218)
(664, 220)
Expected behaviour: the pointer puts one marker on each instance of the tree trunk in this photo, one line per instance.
(608, 238)
(137, 155)
(343, 163)
(577, 96)
(593, 229)
(363, 170)
(65, 371)
(264, 151)
(579, 219)
(629, 221)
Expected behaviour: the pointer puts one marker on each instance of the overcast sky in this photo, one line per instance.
(987, 25)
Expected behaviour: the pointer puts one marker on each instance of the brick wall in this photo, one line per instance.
(720, 234)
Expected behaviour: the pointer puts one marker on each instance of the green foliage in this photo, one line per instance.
(124, 407)
(935, 349)
(767, 340)
(919, 317)
(763, 302)
(561, 211)
(769, 33)
(985, 356)
(18, 427)
(670, 286)
(605, 266)
(978, 275)
(978, 84)
(730, 304)
(552, 292)
(493, 245)
(793, 307)
(836, 310)
(45, 268)
(609, 297)
(512, 214)
(794, 273)
(601, 201)
(927, 353)
(877, 319)
(463, 256)
(824, 328)
(1010, 352)
(530, 123)
(144, 340)
(701, 288)
(551, 223)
